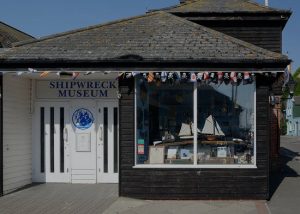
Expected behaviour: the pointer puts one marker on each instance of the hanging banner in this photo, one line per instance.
(76, 89)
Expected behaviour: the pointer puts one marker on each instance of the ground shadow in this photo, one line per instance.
(285, 170)
(24, 187)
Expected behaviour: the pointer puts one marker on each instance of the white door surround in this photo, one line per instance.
(75, 141)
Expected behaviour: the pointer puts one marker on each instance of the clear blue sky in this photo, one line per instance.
(41, 18)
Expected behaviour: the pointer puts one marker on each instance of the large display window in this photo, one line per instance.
(194, 124)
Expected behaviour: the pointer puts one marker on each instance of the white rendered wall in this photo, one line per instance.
(16, 132)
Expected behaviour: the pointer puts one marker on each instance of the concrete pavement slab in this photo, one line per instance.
(129, 206)
(286, 197)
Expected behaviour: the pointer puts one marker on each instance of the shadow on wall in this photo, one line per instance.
(276, 179)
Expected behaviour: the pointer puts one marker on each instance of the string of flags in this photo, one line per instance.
(74, 75)
(176, 77)
(235, 78)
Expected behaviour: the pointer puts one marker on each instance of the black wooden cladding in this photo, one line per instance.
(267, 35)
(192, 183)
(1, 134)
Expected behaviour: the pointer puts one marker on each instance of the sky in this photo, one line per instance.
(42, 18)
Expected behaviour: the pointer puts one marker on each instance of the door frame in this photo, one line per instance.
(37, 176)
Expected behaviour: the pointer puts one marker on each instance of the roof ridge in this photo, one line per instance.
(271, 9)
(227, 37)
(13, 28)
(70, 32)
(261, 5)
(174, 6)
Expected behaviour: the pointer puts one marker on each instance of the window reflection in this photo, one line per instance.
(164, 123)
(165, 130)
(226, 121)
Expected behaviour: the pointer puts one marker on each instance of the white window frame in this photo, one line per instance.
(195, 165)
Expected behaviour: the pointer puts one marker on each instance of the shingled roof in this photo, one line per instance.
(154, 37)
(220, 6)
(9, 35)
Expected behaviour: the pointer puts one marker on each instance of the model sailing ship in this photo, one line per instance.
(211, 130)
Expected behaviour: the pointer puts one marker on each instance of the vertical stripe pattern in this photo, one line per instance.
(52, 139)
(42, 138)
(115, 140)
(61, 136)
(105, 120)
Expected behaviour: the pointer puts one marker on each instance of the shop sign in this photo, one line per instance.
(72, 89)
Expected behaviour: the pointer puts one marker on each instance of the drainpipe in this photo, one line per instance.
(267, 3)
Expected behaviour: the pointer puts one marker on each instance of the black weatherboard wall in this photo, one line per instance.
(1, 135)
(245, 20)
(193, 183)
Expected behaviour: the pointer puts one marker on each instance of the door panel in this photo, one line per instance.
(107, 151)
(50, 149)
(83, 135)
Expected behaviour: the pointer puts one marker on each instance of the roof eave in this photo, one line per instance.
(283, 15)
(190, 64)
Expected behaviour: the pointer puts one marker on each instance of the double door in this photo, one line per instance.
(75, 142)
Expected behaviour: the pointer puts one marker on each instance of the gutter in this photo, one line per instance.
(154, 64)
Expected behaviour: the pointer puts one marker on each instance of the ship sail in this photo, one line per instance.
(187, 130)
(212, 127)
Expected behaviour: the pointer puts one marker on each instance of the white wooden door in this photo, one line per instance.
(50, 155)
(83, 141)
(108, 142)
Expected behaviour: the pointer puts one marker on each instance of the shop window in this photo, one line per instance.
(164, 116)
(194, 125)
(226, 120)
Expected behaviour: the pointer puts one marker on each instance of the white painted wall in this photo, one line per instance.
(16, 132)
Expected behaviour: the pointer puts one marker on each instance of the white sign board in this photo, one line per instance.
(76, 89)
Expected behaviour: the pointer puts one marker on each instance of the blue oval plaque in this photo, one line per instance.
(82, 118)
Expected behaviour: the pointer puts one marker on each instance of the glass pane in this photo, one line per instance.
(225, 124)
(116, 161)
(105, 143)
(164, 121)
(42, 138)
(62, 143)
(52, 139)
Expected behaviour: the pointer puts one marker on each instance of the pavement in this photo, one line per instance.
(286, 197)
(102, 198)
(134, 206)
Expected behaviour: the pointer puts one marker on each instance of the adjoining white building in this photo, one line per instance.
(293, 116)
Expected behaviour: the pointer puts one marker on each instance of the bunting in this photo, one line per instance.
(44, 74)
(234, 78)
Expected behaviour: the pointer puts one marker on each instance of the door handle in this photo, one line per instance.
(65, 134)
(101, 133)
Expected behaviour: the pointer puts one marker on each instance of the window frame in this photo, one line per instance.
(195, 165)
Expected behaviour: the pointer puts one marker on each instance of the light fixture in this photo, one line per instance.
(291, 84)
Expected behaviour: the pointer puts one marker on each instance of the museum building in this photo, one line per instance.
(173, 104)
